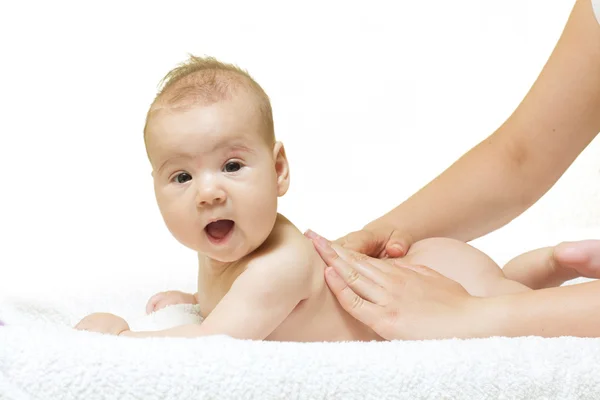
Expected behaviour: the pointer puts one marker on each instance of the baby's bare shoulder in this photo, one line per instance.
(286, 249)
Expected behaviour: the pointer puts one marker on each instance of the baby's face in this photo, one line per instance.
(216, 177)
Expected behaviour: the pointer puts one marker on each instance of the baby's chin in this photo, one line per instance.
(225, 258)
(227, 255)
(232, 255)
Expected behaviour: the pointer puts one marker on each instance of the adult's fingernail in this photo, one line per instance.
(324, 245)
(333, 279)
(322, 242)
(310, 234)
(397, 246)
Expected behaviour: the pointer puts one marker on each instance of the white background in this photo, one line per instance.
(372, 100)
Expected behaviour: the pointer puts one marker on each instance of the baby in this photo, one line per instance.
(218, 172)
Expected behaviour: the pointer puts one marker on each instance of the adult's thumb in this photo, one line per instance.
(362, 242)
(397, 245)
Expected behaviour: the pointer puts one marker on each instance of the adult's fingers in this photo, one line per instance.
(363, 242)
(310, 234)
(376, 269)
(397, 245)
(360, 284)
(361, 309)
(359, 241)
(361, 263)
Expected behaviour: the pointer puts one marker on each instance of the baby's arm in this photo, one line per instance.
(112, 324)
(259, 300)
(171, 297)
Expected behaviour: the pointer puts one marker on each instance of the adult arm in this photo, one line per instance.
(509, 171)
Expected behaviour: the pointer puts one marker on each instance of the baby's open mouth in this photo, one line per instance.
(218, 231)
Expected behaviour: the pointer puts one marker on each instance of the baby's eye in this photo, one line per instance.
(183, 177)
(232, 166)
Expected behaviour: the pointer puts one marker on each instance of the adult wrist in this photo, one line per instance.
(487, 317)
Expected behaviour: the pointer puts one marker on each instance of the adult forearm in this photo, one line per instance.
(481, 192)
(563, 311)
(505, 174)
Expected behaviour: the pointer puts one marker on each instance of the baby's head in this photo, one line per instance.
(217, 168)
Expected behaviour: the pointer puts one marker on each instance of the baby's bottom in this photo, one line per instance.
(473, 269)
(481, 276)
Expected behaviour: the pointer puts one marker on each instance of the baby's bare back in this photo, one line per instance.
(320, 317)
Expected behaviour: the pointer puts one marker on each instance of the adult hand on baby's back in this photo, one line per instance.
(169, 298)
(397, 301)
(376, 239)
(103, 323)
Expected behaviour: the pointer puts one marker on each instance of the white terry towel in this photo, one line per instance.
(41, 357)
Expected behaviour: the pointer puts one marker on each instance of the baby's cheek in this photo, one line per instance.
(182, 228)
(174, 211)
(261, 222)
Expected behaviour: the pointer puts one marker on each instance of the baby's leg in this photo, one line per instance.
(553, 266)
(473, 269)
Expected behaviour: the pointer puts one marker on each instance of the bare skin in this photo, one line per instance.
(248, 299)
(243, 300)
(403, 301)
(317, 317)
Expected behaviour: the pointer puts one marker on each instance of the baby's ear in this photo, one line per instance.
(282, 169)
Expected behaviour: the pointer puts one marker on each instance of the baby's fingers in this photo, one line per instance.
(154, 300)
(85, 324)
(164, 302)
(81, 326)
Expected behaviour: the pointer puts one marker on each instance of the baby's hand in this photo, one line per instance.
(103, 323)
(163, 299)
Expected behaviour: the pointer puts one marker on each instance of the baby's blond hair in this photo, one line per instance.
(205, 80)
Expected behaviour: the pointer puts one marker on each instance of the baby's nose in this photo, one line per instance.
(210, 196)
